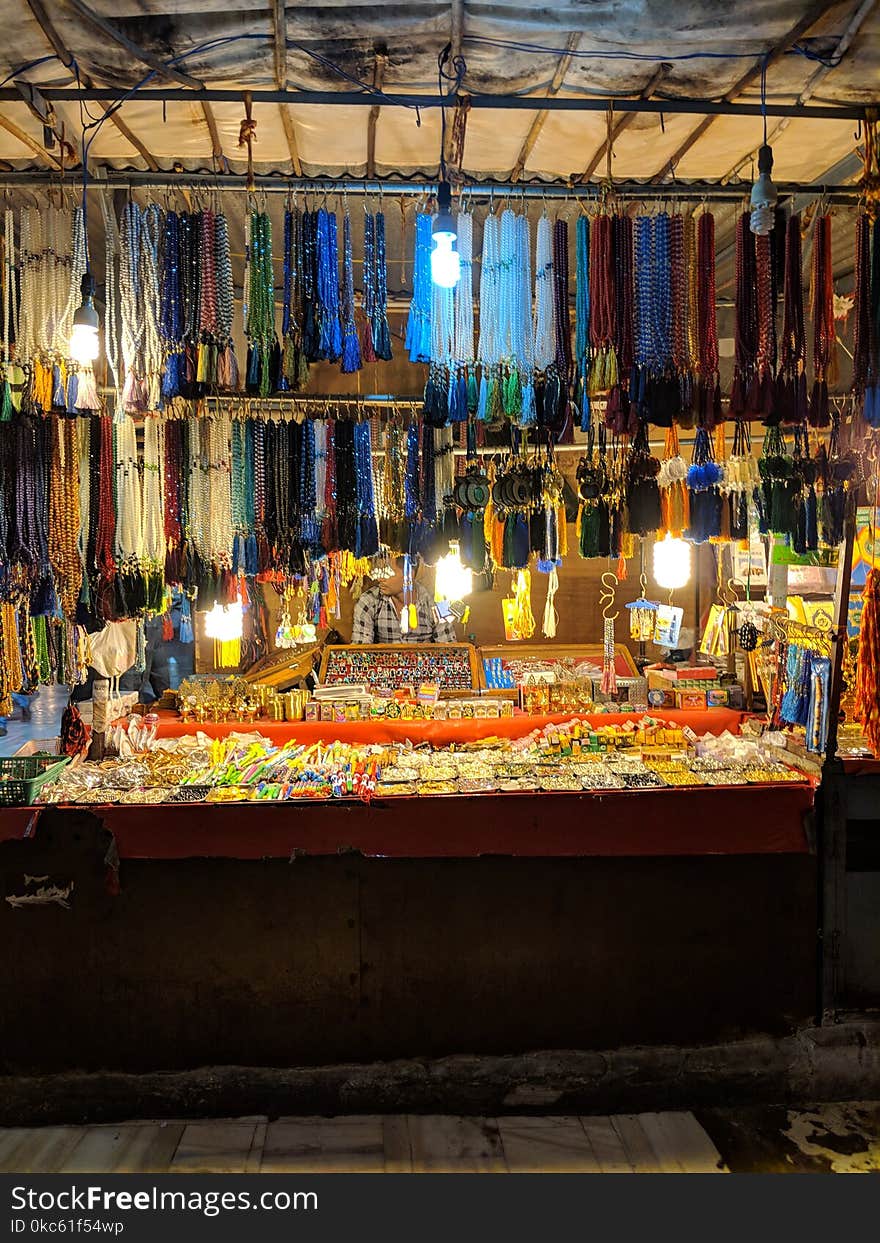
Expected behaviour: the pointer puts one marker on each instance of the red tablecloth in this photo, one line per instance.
(440, 733)
(702, 821)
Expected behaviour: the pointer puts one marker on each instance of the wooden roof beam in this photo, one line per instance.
(23, 137)
(217, 156)
(456, 34)
(279, 34)
(562, 67)
(748, 79)
(66, 57)
(379, 66)
(624, 120)
(146, 57)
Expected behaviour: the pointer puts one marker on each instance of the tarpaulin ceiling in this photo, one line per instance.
(333, 46)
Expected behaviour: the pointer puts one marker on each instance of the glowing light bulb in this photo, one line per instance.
(84, 335)
(672, 562)
(84, 344)
(445, 262)
(452, 580)
(225, 623)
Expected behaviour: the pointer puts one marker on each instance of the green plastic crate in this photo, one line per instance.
(23, 776)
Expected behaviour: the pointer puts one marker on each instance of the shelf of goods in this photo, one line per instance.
(581, 787)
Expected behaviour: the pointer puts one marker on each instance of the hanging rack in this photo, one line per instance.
(695, 192)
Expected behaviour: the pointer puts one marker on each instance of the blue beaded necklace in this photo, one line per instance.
(351, 346)
(330, 330)
(418, 327)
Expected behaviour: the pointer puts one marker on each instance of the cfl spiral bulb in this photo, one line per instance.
(764, 196)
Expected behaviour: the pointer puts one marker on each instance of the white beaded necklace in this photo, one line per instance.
(220, 489)
(464, 293)
(149, 272)
(129, 500)
(111, 281)
(525, 339)
(545, 335)
(154, 491)
(10, 326)
(76, 266)
(488, 353)
(27, 341)
(442, 325)
(130, 304)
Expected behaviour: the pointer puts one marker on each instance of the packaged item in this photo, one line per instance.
(717, 697)
(690, 699)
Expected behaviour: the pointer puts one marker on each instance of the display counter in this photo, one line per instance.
(722, 820)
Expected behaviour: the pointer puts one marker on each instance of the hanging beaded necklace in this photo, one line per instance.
(260, 314)
(603, 310)
(227, 366)
(418, 326)
(703, 315)
(561, 317)
(171, 317)
(824, 339)
(463, 349)
(351, 348)
(582, 320)
(746, 329)
(64, 514)
(791, 383)
(380, 332)
(330, 332)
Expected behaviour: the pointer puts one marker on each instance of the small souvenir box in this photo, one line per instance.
(717, 697)
(690, 699)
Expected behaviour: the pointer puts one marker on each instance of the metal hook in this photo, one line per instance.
(607, 597)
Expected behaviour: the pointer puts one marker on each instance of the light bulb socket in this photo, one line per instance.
(86, 315)
(765, 160)
(444, 221)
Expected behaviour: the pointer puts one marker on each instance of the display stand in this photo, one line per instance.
(454, 667)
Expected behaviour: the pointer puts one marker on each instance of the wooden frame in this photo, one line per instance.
(409, 648)
(555, 651)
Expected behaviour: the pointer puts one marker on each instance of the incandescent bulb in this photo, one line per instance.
(225, 623)
(672, 562)
(452, 580)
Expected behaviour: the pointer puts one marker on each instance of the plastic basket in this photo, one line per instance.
(23, 776)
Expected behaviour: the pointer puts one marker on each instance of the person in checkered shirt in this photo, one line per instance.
(377, 614)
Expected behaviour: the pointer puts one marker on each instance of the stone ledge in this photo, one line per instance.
(814, 1064)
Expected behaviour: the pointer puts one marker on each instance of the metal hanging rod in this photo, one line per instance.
(684, 192)
(525, 103)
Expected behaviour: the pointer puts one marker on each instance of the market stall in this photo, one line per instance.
(507, 524)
